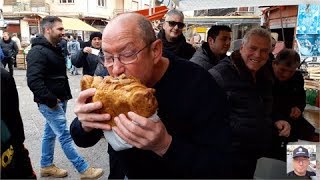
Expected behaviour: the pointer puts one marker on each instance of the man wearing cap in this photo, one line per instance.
(90, 57)
(300, 164)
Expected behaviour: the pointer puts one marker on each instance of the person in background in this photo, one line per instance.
(290, 100)
(248, 84)
(271, 55)
(73, 47)
(17, 41)
(172, 38)
(10, 51)
(90, 57)
(63, 45)
(215, 49)
(191, 138)
(82, 43)
(1, 57)
(47, 79)
(300, 163)
(15, 160)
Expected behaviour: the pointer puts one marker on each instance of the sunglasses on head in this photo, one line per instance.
(174, 23)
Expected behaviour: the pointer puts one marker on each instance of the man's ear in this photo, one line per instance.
(46, 30)
(241, 47)
(156, 48)
(210, 40)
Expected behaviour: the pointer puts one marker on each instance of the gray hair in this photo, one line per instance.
(144, 26)
(264, 33)
(48, 21)
(175, 12)
(146, 29)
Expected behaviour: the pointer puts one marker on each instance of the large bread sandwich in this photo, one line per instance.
(120, 95)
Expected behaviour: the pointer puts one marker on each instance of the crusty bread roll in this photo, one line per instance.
(121, 95)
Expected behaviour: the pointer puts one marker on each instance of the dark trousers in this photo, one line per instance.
(9, 61)
(301, 129)
(116, 169)
(243, 167)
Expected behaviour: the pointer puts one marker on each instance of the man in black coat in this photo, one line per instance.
(215, 49)
(47, 79)
(90, 57)
(248, 84)
(10, 51)
(289, 99)
(172, 38)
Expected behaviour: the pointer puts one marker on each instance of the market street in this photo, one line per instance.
(33, 121)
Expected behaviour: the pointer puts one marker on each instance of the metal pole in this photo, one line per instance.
(283, 38)
(150, 4)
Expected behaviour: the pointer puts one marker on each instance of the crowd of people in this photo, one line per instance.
(213, 109)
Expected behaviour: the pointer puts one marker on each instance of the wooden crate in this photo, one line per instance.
(21, 66)
(21, 61)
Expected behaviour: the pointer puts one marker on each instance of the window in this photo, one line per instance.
(66, 1)
(102, 3)
(37, 3)
(246, 9)
(134, 5)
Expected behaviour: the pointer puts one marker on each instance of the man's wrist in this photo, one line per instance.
(164, 148)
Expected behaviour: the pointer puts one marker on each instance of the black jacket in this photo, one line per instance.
(205, 58)
(87, 61)
(288, 94)
(15, 157)
(9, 48)
(251, 104)
(179, 48)
(10, 107)
(46, 73)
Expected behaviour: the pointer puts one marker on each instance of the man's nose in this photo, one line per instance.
(257, 53)
(117, 67)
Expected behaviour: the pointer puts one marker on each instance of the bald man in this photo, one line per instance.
(191, 138)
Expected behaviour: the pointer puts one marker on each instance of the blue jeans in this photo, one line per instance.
(56, 126)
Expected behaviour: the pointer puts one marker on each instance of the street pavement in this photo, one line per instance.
(33, 121)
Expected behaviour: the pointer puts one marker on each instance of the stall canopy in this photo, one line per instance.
(156, 13)
(76, 24)
(187, 5)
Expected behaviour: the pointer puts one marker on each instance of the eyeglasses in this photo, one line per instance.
(304, 161)
(125, 58)
(174, 23)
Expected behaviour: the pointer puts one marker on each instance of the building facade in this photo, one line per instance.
(23, 16)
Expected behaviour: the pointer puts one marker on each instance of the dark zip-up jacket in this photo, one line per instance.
(288, 94)
(179, 48)
(205, 58)
(87, 61)
(251, 104)
(46, 73)
(9, 48)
